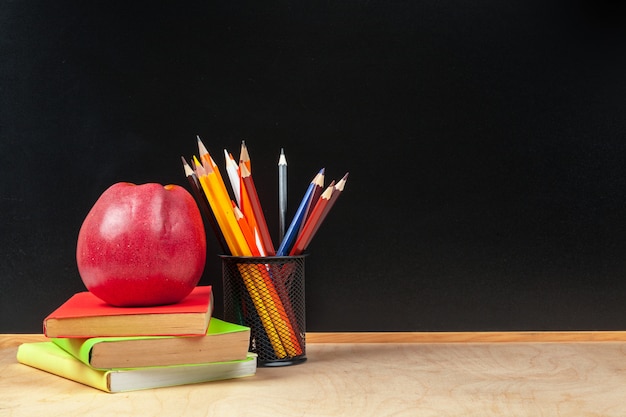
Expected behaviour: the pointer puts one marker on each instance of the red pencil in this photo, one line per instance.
(255, 204)
(311, 224)
(303, 240)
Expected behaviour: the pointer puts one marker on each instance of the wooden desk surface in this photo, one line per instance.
(359, 379)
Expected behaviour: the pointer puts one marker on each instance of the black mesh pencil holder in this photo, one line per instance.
(266, 294)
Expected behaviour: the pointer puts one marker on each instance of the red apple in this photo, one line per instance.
(142, 245)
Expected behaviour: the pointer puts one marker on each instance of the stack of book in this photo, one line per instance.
(117, 349)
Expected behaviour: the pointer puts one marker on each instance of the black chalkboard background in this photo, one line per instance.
(486, 145)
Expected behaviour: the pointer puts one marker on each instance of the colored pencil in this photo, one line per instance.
(247, 232)
(255, 204)
(221, 206)
(312, 223)
(317, 192)
(245, 203)
(282, 194)
(207, 161)
(341, 184)
(244, 156)
(248, 212)
(203, 204)
(338, 189)
(232, 169)
(294, 227)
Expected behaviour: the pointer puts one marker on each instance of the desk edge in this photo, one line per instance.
(466, 337)
(8, 340)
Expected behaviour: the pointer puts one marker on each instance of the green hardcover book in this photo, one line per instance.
(223, 341)
(49, 357)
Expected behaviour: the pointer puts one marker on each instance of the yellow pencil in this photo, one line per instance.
(219, 215)
(208, 161)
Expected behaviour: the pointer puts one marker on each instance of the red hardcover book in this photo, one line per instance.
(85, 315)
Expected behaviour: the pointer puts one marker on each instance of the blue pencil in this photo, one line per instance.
(292, 232)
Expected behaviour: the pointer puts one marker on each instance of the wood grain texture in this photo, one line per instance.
(365, 380)
(7, 340)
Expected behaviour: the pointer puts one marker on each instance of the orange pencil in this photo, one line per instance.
(255, 204)
(248, 213)
(245, 229)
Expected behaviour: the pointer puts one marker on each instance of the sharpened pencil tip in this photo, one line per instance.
(201, 148)
(244, 151)
(318, 179)
(186, 167)
(282, 159)
(342, 182)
